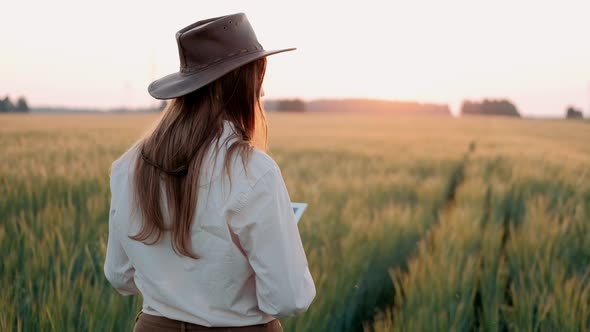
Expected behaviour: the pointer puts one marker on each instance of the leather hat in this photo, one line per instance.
(209, 49)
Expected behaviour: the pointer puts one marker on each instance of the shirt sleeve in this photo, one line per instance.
(267, 230)
(117, 268)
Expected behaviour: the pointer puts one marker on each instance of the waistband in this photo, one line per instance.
(167, 323)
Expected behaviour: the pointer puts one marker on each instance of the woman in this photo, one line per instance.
(201, 222)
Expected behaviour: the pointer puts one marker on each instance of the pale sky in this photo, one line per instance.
(105, 53)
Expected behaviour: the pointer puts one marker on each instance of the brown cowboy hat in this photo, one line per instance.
(209, 49)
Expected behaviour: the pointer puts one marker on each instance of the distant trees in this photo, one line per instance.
(353, 105)
(296, 105)
(291, 105)
(501, 107)
(6, 105)
(572, 113)
(377, 106)
(21, 105)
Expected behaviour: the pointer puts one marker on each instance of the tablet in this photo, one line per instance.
(298, 209)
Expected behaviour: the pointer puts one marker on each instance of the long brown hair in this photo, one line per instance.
(174, 151)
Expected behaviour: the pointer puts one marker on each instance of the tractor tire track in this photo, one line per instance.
(511, 208)
(359, 316)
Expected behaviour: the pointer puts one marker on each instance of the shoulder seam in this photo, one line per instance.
(242, 196)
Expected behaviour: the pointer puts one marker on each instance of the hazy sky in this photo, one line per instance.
(105, 53)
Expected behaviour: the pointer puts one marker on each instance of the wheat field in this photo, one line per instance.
(413, 223)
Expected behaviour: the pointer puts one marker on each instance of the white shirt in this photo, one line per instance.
(252, 266)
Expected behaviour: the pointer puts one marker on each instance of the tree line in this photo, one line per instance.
(289, 105)
(573, 113)
(503, 107)
(500, 107)
(486, 107)
(6, 105)
(353, 105)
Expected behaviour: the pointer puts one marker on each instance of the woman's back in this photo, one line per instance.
(250, 267)
(201, 223)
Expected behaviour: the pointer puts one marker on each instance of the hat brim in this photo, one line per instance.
(179, 84)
